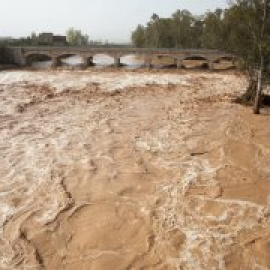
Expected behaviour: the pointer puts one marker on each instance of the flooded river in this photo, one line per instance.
(125, 169)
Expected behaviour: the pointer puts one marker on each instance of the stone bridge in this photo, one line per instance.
(23, 54)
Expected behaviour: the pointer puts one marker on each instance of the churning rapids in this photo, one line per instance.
(132, 170)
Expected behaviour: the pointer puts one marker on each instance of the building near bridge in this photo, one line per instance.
(51, 40)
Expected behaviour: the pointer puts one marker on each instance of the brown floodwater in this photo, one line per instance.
(132, 169)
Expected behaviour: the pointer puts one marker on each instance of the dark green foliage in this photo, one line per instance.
(182, 30)
(139, 36)
(230, 29)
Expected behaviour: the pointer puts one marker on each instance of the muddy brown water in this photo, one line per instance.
(132, 170)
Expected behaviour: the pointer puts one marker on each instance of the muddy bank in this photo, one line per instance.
(131, 170)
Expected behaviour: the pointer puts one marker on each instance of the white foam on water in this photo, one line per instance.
(107, 81)
(36, 156)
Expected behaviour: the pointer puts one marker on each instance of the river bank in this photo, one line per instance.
(132, 170)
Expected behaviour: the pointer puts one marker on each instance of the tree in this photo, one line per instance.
(154, 24)
(197, 33)
(264, 51)
(183, 22)
(76, 38)
(182, 30)
(212, 35)
(249, 21)
(138, 37)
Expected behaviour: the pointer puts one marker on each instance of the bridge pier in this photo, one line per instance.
(211, 65)
(23, 62)
(117, 62)
(88, 62)
(147, 62)
(234, 62)
(56, 62)
(178, 63)
(19, 57)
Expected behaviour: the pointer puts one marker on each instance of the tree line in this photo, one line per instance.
(224, 29)
(243, 28)
(185, 30)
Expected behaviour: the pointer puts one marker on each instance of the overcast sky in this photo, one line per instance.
(111, 20)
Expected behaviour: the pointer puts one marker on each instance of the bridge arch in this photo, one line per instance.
(37, 58)
(132, 59)
(103, 59)
(197, 61)
(225, 62)
(165, 60)
(66, 55)
(225, 58)
(70, 59)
